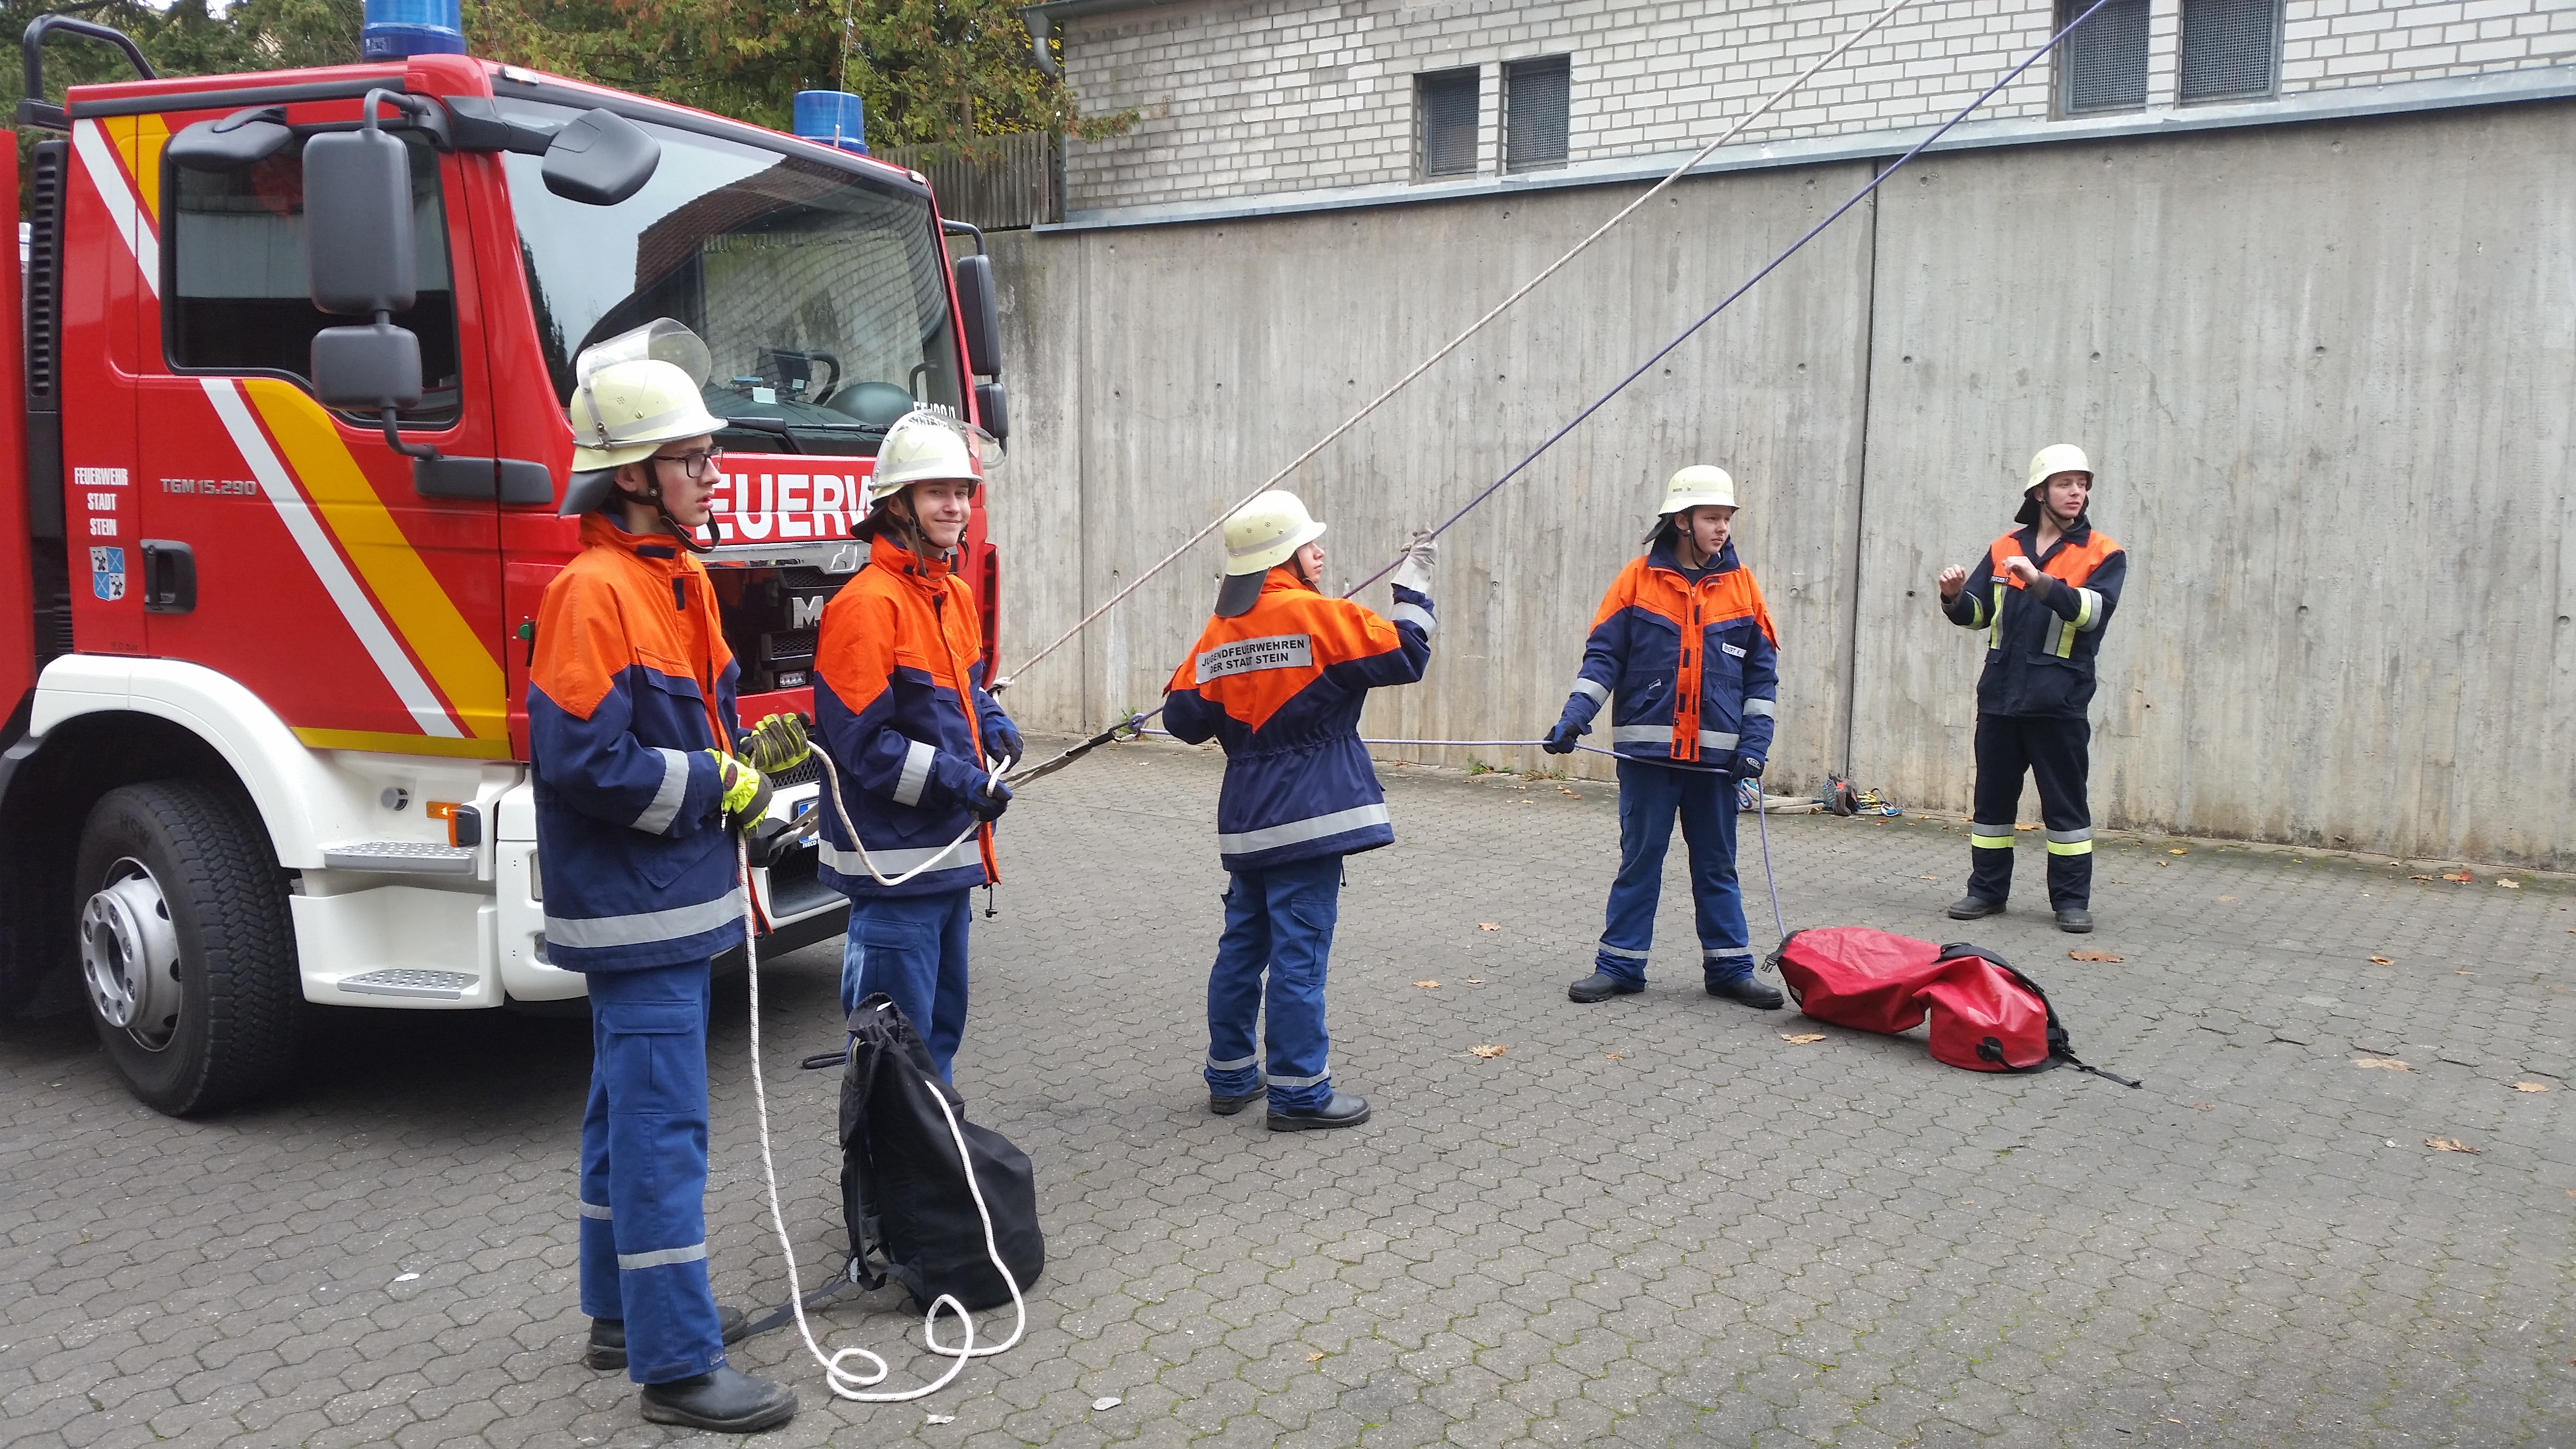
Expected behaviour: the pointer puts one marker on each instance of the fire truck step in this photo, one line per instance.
(404, 857)
(441, 985)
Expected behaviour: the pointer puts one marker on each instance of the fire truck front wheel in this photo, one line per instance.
(187, 953)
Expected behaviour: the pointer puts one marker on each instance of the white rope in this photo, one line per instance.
(853, 1383)
(832, 788)
(1454, 343)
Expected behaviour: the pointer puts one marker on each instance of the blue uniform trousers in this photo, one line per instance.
(2055, 752)
(644, 1170)
(1278, 937)
(912, 948)
(1650, 795)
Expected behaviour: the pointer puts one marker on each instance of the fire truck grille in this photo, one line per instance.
(788, 644)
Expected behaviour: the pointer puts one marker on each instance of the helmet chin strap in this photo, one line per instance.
(687, 536)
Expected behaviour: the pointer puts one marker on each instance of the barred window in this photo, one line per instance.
(1536, 94)
(1445, 109)
(2230, 49)
(2103, 65)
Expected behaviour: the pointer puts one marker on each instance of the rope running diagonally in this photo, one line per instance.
(1454, 343)
(1731, 298)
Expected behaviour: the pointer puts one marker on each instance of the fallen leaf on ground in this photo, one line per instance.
(2385, 1064)
(2531, 1086)
(2232, 898)
(2464, 973)
(2030, 827)
(1927, 877)
(940, 1418)
(1802, 1038)
(1561, 790)
(2178, 852)
(2204, 1106)
(2462, 876)
(1489, 1050)
(1475, 980)
(1428, 985)
(1487, 926)
(2164, 862)
(2419, 877)
(2511, 885)
(1317, 1357)
(2381, 961)
(1623, 1056)
(2092, 956)
(2449, 1144)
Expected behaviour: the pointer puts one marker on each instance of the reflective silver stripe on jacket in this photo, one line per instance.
(662, 1257)
(645, 927)
(1598, 693)
(2088, 610)
(594, 1210)
(1415, 615)
(1238, 1064)
(1663, 734)
(1313, 827)
(916, 773)
(1316, 1080)
(1761, 707)
(896, 862)
(657, 817)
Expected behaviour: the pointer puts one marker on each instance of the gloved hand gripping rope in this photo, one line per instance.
(853, 1383)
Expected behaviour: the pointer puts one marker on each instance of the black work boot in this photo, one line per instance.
(1601, 986)
(1338, 1111)
(1970, 908)
(1747, 990)
(727, 1401)
(607, 1347)
(1228, 1106)
(2074, 919)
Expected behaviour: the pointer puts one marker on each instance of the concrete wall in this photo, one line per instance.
(2325, 369)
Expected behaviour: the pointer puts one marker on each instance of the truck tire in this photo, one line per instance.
(187, 954)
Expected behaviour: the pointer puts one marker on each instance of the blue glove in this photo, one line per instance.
(1748, 767)
(987, 801)
(1560, 740)
(1002, 739)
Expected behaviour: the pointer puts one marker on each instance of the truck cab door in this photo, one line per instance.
(286, 545)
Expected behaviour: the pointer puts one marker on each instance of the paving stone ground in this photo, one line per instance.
(1649, 1221)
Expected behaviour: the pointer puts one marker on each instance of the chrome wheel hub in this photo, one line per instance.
(130, 955)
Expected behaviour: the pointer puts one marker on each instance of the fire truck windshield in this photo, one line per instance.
(823, 299)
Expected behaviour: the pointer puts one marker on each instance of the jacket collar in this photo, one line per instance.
(1282, 579)
(894, 558)
(1663, 556)
(2075, 535)
(658, 552)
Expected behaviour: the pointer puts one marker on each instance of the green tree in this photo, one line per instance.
(943, 72)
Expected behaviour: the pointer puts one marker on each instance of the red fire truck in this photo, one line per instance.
(280, 500)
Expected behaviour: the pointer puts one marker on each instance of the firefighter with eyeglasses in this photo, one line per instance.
(918, 742)
(642, 776)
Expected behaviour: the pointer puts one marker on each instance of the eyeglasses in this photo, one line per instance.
(695, 465)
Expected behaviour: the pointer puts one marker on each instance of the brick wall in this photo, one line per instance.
(1247, 99)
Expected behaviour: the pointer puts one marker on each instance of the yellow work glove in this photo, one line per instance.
(746, 791)
(777, 743)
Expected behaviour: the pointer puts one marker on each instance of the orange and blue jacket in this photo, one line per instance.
(1693, 667)
(630, 686)
(2041, 641)
(899, 697)
(1281, 686)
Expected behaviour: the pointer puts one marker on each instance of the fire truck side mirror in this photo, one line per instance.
(368, 368)
(980, 310)
(235, 143)
(358, 247)
(600, 158)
